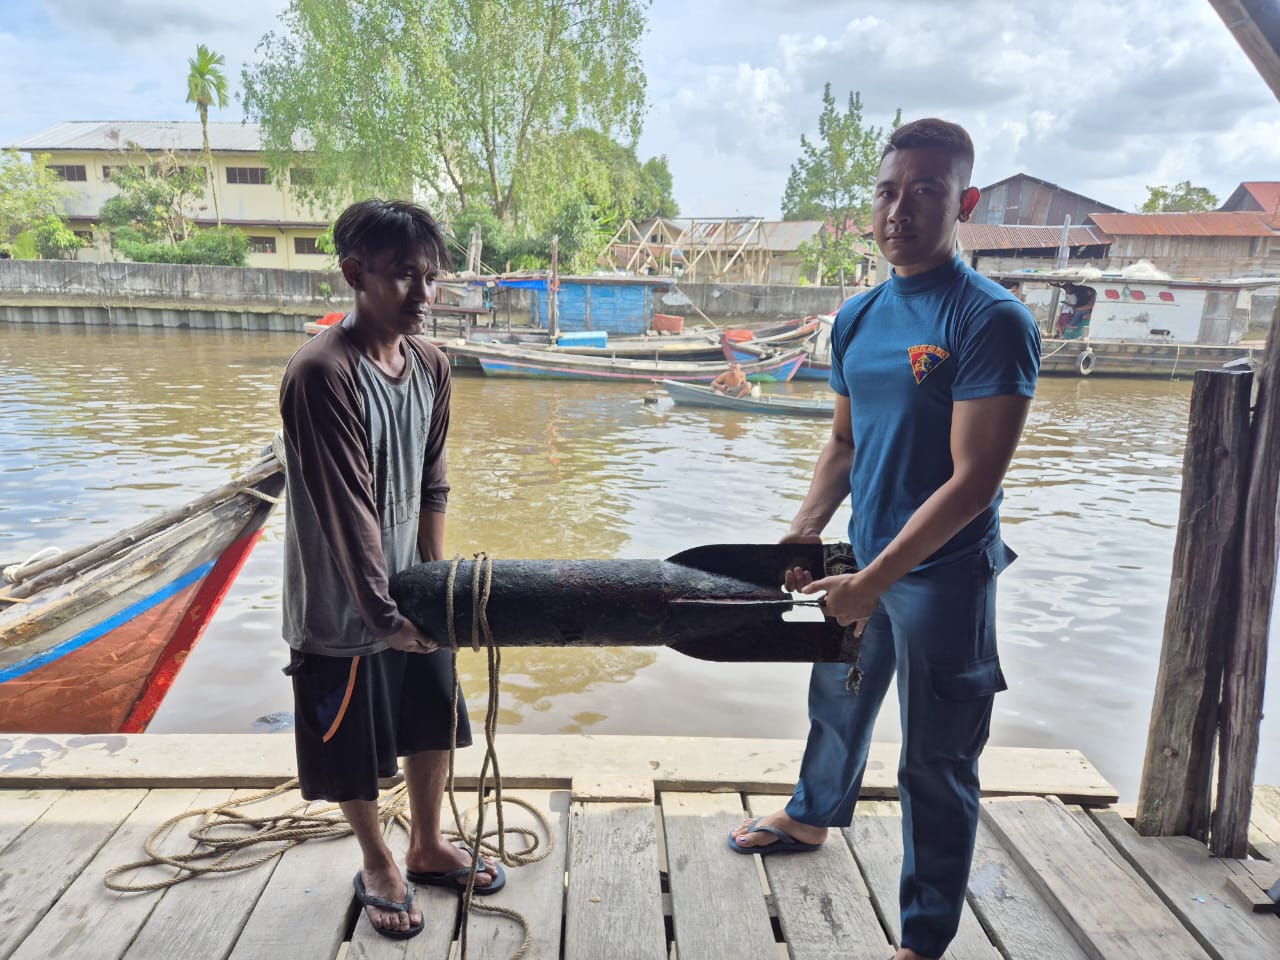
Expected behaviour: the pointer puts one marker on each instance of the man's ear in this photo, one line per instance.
(352, 271)
(968, 200)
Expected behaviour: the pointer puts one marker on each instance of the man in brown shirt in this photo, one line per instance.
(365, 407)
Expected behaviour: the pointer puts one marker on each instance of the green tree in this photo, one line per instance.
(1179, 198)
(222, 246)
(393, 97)
(155, 195)
(54, 240)
(207, 87)
(833, 181)
(30, 193)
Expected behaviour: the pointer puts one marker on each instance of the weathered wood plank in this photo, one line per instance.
(613, 903)
(43, 862)
(439, 909)
(90, 922)
(1177, 773)
(822, 902)
(1245, 668)
(203, 916)
(1264, 822)
(21, 808)
(536, 890)
(304, 910)
(1010, 908)
(717, 906)
(1193, 885)
(876, 839)
(1109, 912)
(533, 761)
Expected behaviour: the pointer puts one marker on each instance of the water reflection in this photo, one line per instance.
(105, 427)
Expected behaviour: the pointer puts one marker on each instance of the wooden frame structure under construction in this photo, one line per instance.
(724, 249)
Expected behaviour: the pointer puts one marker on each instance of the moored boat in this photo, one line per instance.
(696, 395)
(92, 640)
(501, 360)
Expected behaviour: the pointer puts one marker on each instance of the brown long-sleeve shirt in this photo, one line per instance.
(365, 454)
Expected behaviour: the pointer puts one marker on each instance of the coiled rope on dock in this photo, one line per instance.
(225, 831)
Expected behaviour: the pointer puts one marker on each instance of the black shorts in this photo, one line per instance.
(354, 716)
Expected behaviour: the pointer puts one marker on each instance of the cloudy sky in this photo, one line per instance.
(1100, 96)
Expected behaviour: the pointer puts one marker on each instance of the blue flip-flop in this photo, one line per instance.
(367, 899)
(784, 844)
(451, 878)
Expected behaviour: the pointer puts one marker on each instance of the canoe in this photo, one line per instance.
(91, 640)
(501, 360)
(694, 395)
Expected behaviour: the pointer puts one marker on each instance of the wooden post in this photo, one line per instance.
(553, 308)
(1245, 668)
(1174, 798)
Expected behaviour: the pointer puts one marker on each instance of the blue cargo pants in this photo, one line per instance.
(936, 629)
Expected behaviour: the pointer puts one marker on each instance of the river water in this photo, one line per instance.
(104, 427)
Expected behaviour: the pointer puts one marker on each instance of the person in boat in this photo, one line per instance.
(733, 382)
(365, 408)
(934, 373)
(1078, 307)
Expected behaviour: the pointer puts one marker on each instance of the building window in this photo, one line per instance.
(69, 171)
(262, 244)
(305, 245)
(106, 172)
(302, 176)
(248, 175)
(85, 235)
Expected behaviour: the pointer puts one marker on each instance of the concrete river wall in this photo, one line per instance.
(244, 298)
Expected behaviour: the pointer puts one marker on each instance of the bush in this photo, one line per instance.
(223, 247)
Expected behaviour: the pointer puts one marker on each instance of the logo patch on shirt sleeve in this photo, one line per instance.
(924, 358)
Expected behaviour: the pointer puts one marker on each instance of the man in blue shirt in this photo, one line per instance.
(934, 373)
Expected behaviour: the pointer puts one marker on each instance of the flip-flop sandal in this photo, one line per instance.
(451, 878)
(367, 899)
(784, 844)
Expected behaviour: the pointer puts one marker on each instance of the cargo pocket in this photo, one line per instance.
(961, 711)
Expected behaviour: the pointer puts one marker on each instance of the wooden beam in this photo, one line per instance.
(1256, 26)
(1245, 669)
(1175, 794)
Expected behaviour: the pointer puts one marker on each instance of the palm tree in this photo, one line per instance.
(206, 87)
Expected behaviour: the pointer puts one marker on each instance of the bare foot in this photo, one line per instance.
(445, 856)
(389, 883)
(804, 832)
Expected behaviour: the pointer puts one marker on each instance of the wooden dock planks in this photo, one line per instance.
(536, 890)
(1193, 885)
(824, 907)
(1072, 868)
(718, 908)
(614, 893)
(876, 839)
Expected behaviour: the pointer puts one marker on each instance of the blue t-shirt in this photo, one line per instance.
(903, 354)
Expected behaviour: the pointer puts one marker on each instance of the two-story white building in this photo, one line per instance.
(282, 231)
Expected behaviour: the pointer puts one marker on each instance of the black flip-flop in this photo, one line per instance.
(367, 899)
(450, 878)
(785, 843)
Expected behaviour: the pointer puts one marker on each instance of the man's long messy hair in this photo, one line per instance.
(371, 227)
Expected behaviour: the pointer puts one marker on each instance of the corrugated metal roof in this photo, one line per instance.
(1267, 193)
(789, 234)
(985, 236)
(1235, 224)
(179, 135)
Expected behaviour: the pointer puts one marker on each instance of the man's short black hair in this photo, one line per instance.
(937, 134)
(369, 227)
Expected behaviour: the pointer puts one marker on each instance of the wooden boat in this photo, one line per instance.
(501, 360)
(695, 395)
(91, 640)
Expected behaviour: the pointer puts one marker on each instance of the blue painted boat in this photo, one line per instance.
(696, 395)
(503, 360)
(92, 640)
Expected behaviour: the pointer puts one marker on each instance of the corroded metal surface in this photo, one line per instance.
(638, 603)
